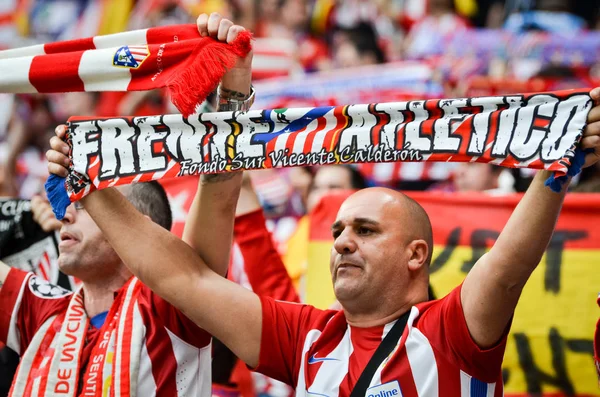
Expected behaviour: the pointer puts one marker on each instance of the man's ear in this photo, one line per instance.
(419, 252)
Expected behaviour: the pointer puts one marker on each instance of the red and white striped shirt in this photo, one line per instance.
(321, 355)
(175, 358)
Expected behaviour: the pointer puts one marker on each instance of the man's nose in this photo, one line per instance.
(70, 215)
(344, 243)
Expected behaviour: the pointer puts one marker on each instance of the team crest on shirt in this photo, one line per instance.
(43, 289)
(389, 389)
(130, 56)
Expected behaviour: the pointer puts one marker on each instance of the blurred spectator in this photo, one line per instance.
(150, 13)
(290, 19)
(357, 46)
(268, 14)
(476, 177)
(77, 104)
(425, 36)
(37, 114)
(50, 20)
(379, 15)
(274, 192)
(22, 168)
(331, 178)
(300, 181)
(479, 177)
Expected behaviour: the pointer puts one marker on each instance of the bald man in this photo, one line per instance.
(387, 340)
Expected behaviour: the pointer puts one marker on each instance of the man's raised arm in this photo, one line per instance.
(492, 288)
(209, 228)
(173, 270)
(170, 267)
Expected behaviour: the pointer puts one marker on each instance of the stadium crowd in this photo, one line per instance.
(464, 47)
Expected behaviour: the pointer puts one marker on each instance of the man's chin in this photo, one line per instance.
(66, 266)
(346, 291)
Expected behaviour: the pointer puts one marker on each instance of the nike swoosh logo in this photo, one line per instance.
(314, 360)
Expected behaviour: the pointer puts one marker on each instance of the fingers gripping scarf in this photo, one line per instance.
(51, 364)
(533, 130)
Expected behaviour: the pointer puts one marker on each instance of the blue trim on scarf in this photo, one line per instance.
(57, 195)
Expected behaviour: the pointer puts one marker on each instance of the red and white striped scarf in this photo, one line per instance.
(51, 364)
(534, 130)
(176, 57)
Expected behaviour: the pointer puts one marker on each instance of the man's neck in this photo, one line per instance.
(384, 313)
(368, 320)
(99, 295)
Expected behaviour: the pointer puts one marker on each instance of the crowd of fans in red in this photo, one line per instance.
(322, 36)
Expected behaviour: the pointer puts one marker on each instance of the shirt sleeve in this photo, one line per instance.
(26, 301)
(445, 326)
(284, 329)
(177, 322)
(263, 265)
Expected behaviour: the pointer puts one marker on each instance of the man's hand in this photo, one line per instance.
(236, 81)
(43, 215)
(591, 134)
(57, 156)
